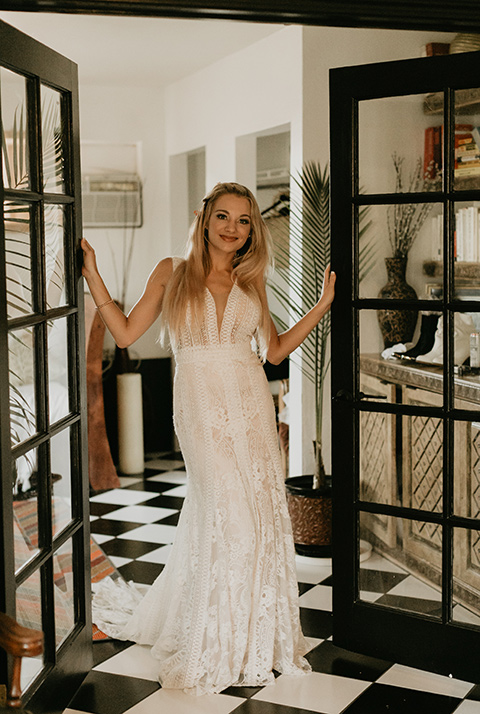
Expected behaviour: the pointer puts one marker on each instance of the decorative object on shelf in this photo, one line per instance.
(465, 271)
(397, 326)
(404, 221)
(302, 253)
(428, 327)
(465, 42)
(463, 327)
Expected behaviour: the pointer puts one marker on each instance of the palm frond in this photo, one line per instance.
(301, 256)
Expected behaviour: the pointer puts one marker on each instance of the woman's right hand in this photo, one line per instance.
(89, 267)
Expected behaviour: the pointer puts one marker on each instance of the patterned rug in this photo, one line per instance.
(29, 593)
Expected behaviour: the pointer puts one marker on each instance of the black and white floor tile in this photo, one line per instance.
(135, 525)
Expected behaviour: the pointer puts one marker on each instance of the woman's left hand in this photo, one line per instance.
(328, 289)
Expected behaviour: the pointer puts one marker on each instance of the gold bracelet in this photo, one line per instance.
(107, 302)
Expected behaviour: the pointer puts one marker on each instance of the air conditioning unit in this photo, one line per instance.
(113, 201)
(273, 177)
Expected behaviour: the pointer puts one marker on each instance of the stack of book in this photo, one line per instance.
(467, 151)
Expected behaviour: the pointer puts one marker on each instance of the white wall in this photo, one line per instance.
(249, 91)
(282, 79)
(126, 115)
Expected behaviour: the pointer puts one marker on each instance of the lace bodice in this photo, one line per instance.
(240, 321)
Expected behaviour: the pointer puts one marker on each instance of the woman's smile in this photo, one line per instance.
(230, 223)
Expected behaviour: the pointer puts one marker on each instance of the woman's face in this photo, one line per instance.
(230, 224)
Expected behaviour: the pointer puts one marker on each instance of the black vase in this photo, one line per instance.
(397, 326)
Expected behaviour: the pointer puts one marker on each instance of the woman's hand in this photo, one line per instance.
(284, 344)
(328, 288)
(89, 267)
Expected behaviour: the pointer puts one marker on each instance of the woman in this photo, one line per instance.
(224, 611)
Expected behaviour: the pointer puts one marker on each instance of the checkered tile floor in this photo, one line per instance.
(135, 526)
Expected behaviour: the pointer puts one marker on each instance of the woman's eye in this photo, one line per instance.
(222, 216)
(245, 221)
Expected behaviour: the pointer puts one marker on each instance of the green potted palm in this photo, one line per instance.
(301, 255)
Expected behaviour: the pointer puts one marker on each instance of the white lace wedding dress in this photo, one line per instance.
(224, 611)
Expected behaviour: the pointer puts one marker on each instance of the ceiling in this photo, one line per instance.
(136, 50)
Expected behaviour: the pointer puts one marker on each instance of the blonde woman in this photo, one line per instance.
(224, 611)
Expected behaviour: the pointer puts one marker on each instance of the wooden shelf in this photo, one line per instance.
(466, 271)
(466, 100)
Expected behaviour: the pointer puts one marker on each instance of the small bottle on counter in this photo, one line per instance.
(475, 349)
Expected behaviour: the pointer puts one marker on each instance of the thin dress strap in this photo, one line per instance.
(176, 260)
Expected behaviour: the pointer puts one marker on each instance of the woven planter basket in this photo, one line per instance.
(311, 516)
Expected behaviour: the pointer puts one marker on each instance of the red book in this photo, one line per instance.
(428, 156)
(437, 48)
(433, 150)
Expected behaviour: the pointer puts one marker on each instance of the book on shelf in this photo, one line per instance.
(437, 237)
(437, 48)
(466, 234)
(466, 171)
(467, 150)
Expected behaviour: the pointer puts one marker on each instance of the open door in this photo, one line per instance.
(44, 580)
(405, 157)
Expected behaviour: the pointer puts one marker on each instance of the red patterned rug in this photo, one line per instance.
(29, 593)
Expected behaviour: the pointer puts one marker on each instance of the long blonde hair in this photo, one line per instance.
(250, 266)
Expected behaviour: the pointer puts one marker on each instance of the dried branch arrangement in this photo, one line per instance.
(404, 220)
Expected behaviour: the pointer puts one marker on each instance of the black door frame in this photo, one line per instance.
(65, 668)
(441, 16)
(358, 625)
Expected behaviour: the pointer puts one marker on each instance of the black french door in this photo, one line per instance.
(405, 156)
(44, 580)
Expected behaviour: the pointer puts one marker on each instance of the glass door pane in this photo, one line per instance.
(15, 156)
(18, 259)
(52, 141)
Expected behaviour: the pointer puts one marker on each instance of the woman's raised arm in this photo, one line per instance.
(126, 329)
(282, 345)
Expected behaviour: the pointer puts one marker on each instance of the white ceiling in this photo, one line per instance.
(135, 50)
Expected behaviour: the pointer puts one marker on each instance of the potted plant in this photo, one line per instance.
(301, 256)
(404, 221)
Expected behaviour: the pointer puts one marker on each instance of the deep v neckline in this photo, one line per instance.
(219, 325)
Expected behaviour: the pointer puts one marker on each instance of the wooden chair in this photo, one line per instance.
(19, 642)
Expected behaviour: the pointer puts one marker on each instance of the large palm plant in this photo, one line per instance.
(301, 255)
